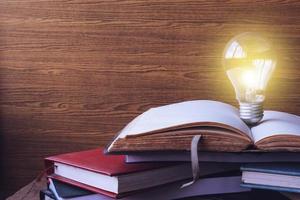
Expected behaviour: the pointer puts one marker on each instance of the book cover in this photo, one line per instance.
(94, 160)
(68, 190)
(85, 187)
(185, 156)
(273, 176)
(110, 173)
(291, 169)
(205, 186)
(269, 187)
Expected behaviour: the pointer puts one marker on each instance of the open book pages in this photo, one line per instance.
(172, 127)
(278, 131)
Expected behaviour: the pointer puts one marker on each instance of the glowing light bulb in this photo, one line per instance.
(249, 63)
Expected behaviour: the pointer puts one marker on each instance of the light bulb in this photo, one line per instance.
(249, 63)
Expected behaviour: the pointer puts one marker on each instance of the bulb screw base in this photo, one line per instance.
(251, 113)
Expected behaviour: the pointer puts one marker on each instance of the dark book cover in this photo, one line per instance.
(291, 169)
(185, 156)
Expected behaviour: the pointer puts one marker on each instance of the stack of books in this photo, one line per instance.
(150, 158)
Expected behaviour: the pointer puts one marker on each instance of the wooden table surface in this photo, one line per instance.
(31, 191)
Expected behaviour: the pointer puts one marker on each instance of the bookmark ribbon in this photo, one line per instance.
(194, 160)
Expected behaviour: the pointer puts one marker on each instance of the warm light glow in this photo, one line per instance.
(249, 79)
(249, 64)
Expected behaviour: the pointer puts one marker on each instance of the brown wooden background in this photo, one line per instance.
(74, 72)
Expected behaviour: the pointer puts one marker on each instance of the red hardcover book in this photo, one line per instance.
(109, 174)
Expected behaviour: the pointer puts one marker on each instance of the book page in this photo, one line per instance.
(188, 112)
(276, 123)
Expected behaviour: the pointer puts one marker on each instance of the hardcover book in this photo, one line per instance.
(172, 127)
(207, 186)
(283, 177)
(111, 176)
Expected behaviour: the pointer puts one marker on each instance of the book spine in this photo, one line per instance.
(267, 187)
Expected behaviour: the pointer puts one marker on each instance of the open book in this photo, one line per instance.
(173, 126)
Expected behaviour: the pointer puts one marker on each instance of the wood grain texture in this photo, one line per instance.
(74, 72)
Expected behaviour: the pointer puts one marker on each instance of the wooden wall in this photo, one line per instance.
(74, 72)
